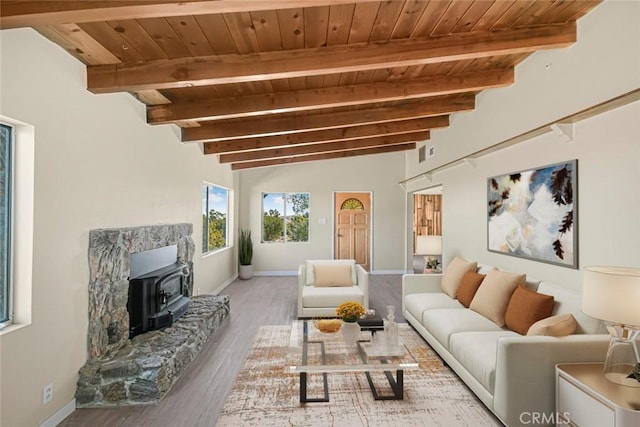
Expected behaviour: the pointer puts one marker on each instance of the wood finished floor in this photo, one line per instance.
(198, 396)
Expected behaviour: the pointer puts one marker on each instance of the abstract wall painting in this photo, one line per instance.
(533, 214)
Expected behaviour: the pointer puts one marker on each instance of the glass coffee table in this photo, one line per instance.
(313, 352)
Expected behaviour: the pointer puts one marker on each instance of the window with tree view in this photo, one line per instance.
(215, 217)
(5, 223)
(285, 217)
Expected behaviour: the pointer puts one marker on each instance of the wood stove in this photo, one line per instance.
(158, 298)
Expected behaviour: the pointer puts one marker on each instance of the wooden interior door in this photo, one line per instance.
(352, 227)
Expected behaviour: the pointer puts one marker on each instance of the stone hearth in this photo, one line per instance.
(139, 371)
(143, 370)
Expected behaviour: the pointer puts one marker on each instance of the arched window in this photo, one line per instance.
(352, 204)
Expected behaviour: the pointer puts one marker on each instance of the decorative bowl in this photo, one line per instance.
(327, 326)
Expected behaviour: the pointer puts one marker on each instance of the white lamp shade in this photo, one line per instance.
(429, 245)
(612, 294)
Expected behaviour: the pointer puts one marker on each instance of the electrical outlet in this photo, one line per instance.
(47, 394)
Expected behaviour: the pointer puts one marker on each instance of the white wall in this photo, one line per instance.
(608, 156)
(603, 64)
(379, 174)
(97, 165)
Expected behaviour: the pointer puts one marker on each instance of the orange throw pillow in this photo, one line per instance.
(468, 286)
(525, 308)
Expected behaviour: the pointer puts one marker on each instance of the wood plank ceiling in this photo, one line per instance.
(264, 83)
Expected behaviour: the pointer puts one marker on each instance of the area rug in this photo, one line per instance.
(265, 395)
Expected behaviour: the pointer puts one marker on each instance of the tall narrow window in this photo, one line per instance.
(6, 163)
(215, 217)
(285, 217)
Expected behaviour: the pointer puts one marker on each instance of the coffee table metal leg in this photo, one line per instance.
(303, 389)
(303, 375)
(397, 386)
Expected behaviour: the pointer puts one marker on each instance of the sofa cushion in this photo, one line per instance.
(313, 297)
(477, 352)
(443, 322)
(570, 301)
(555, 326)
(416, 304)
(468, 287)
(492, 298)
(453, 275)
(332, 275)
(310, 276)
(525, 308)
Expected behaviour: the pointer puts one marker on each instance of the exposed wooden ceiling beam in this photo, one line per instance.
(254, 105)
(201, 71)
(78, 43)
(31, 13)
(325, 147)
(324, 156)
(266, 126)
(330, 135)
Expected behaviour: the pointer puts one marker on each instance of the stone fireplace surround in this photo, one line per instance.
(139, 371)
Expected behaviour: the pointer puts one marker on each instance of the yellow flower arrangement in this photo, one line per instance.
(350, 311)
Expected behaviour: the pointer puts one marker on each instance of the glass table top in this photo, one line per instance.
(314, 351)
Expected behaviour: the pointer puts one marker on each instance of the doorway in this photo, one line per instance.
(427, 221)
(352, 227)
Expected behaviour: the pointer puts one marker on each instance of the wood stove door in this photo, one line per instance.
(170, 289)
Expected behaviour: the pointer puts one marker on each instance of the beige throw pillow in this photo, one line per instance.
(332, 275)
(313, 262)
(555, 326)
(453, 274)
(492, 298)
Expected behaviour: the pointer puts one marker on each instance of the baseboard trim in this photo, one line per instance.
(60, 414)
(376, 272)
(224, 285)
(275, 273)
(295, 273)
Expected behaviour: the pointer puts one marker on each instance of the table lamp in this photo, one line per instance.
(429, 245)
(612, 294)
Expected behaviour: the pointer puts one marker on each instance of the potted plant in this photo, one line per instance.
(432, 266)
(245, 254)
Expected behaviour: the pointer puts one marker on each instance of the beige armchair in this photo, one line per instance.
(325, 284)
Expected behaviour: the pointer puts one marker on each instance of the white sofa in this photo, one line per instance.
(512, 374)
(316, 301)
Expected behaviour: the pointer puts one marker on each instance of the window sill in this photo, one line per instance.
(283, 243)
(216, 251)
(13, 327)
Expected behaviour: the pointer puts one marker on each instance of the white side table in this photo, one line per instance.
(584, 398)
